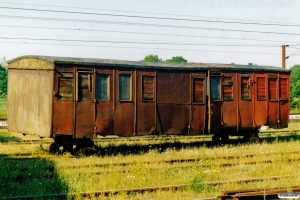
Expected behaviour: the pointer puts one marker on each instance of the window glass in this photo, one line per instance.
(227, 88)
(215, 88)
(198, 90)
(273, 88)
(245, 88)
(102, 87)
(261, 88)
(148, 88)
(124, 87)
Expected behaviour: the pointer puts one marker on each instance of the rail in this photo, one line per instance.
(230, 194)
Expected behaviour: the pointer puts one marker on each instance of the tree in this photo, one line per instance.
(3, 81)
(152, 58)
(295, 86)
(177, 59)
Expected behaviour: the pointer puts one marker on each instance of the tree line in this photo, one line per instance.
(3, 78)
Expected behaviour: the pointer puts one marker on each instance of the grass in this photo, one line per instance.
(3, 107)
(154, 173)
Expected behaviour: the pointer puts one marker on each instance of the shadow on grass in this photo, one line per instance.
(6, 137)
(29, 177)
(137, 149)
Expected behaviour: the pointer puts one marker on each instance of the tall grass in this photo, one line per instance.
(3, 107)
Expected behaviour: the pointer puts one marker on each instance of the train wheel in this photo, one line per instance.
(216, 138)
(85, 150)
(224, 138)
(68, 148)
(54, 148)
(254, 140)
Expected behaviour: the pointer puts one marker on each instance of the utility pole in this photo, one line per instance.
(284, 56)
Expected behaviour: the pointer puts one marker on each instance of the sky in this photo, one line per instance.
(205, 31)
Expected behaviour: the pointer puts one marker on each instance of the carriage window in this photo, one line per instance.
(148, 88)
(245, 88)
(261, 88)
(283, 93)
(215, 93)
(198, 90)
(125, 87)
(65, 87)
(272, 88)
(227, 88)
(102, 87)
(85, 91)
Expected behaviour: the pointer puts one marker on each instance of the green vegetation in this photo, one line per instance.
(295, 88)
(155, 58)
(177, 59)
(3, 81)
(47, 174)
(3, 107)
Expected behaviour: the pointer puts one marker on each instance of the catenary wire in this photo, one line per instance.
(144, 24)
(157, 48)
(133, 42)
(135, 32)
(149, 17)
(152, 13)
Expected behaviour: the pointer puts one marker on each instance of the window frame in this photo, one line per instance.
(128, 74)
(273, 77)
(265, 89)
(227, 84)
(65, 75)
(219, 87)
(153, 88)
(287, 88)
(243, 76)
(107, 87)
(203, 79)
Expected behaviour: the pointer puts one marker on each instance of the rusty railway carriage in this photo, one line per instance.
(75, 99)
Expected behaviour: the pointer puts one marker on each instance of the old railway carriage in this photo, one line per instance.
(72, 99)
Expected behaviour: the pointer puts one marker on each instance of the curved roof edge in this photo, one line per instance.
(48, 62)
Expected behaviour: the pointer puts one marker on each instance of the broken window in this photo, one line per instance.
(65, 86)
(245, 87)
(85, 87)
(148, 88)
(198, 90)
(227, 88)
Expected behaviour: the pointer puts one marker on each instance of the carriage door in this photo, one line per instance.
(214, 102)
(85, 106)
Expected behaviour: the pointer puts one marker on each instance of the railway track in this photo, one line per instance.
(231, 194)
(173, 161)
(263, 134)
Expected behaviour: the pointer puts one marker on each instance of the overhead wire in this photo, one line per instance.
(136, 32)
(144, 24)
(150, 17)
(157, 48)
(133, 42)
(126, 11)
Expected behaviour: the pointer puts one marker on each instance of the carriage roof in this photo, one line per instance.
(49, 62)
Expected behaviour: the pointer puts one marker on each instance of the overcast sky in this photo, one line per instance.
(207, 31)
